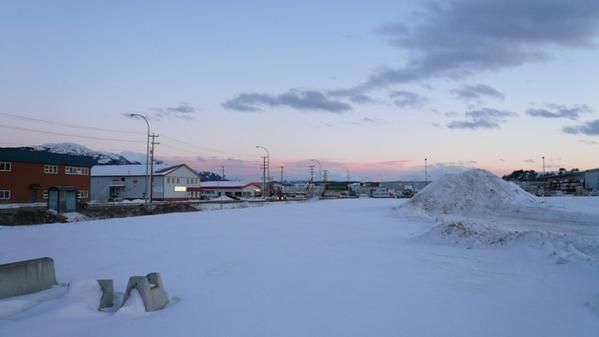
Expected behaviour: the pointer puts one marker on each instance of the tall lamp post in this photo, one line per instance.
(266, 177)
(425, 171)
(346, 174)
(319, 171)
(148, 185)
(544, 176)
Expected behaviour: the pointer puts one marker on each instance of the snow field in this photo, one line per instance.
(328, 268)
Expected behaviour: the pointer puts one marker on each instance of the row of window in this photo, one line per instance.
(82, 194)
(74, 170)
(50, 169)
(71, 170)
(177, 180)
(5, 166)
(6, 195)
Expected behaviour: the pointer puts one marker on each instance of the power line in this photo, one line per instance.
(207, 148)
(248, 164)
(69, 135)
(204, 148)
(68, 125)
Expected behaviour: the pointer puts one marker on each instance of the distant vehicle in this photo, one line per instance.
(408, 193)
(382, 193)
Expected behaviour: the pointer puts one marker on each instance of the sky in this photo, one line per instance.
(370, 88)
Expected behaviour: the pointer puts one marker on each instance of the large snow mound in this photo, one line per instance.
(473, 190)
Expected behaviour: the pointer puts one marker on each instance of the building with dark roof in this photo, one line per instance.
(26, 175)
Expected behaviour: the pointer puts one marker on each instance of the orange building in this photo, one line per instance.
(26, 175)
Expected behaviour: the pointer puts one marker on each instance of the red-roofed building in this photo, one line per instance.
(232, 189)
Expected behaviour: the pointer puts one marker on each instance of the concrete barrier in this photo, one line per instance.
(150, 289)
(26, 277)
(107, 298)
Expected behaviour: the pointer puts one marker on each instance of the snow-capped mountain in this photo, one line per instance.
(109, 158)
(101, 158)
(138, 157)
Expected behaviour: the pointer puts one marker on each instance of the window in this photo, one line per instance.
(5, 166)
(4, 194)
(75, 170)
(45, 195)
(50, 169)
(168, 180)
(177, 180)
(83, 194)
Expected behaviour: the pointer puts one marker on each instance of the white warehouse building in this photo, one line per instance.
(128, 182)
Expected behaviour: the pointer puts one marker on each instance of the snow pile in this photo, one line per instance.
(563, 247)
(75, 217)
(473, 190)
(223, 198)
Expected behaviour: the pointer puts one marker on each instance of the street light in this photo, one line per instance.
(148, 186)
(319, 173)
(544, 176)
(319, 169)
(425, 171)
(346, 174)
(267, 168)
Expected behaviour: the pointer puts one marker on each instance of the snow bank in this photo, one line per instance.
(477, 209)
(473, 190)
(563, 247)
(327, 268)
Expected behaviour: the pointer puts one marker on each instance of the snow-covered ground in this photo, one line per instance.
(361, 267)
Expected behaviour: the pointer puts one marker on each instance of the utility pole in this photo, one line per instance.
(267, 164)
(153, 143)
(311, 183)
(282, 175)
(544, 172)
(324, 183)
(319, 170)
(264, 176)
(222, 170)
(544, 176)
(266, 169)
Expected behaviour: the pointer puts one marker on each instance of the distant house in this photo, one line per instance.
(128, 182)
(233, 189)
(591, 179)
(26, 176)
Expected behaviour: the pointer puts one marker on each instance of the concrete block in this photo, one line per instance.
(107, 298)
(26, 277)
(151, 289)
